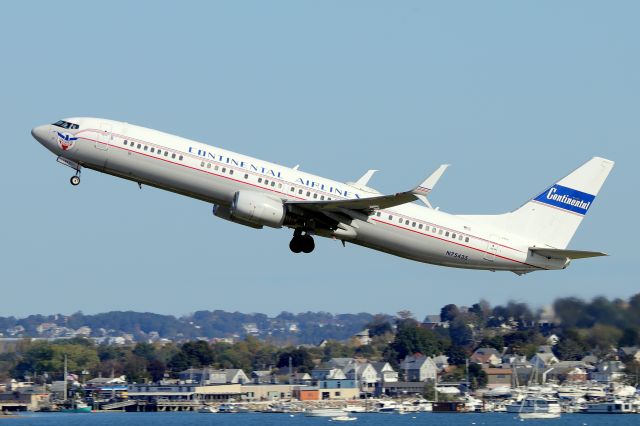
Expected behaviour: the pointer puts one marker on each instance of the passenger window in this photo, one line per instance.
(420, 226)
(273, 184)
(179, 158)
(406, 222)
(246, 176)
(466, 240)
(328, 198)
(224, 170)
(146, 148)
(322, 197)
(215, 168)
(152, 149)
(139, 146)
(446, 234)
(315, 195)
(174, 156)
(434, 230)
(202, 164)
(259, 180)
(453, 236)
(292, 189)
(266, 182)
(230, 171)
(166, 153)
(208, 165)
(390, 217)
(159, 151)
(279, 186)
(125, 142)
(308, 193)
(300, 191)
(440, 232)
(460, 237)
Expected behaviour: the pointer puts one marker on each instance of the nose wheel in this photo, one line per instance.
(75, 180)
(302, 243)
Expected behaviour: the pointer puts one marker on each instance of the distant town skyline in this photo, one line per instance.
(513, 95)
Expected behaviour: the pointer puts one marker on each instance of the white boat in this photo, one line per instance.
(610, 407)
(532, 416)
(343, 419)
(535, 405)
(386, 407)
(355, 409)
(325, 412)
(208, 409)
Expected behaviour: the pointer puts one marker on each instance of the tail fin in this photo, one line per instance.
(553, 217)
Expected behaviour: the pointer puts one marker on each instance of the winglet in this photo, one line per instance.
(364, 180)
(422, 190)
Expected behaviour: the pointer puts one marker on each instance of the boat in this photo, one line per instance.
(610, 407)
(531, 416)
(324, 412)
(208, 409)
(535, 405)
(77, 407)
(343, 419)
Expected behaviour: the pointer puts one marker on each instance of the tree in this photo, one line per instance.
(449, 312)
(411, 338)
(477, 376)
(460, 332)
(300, 359)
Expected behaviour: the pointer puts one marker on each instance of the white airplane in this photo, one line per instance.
(257, 193)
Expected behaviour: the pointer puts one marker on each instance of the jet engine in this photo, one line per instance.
(253, 209)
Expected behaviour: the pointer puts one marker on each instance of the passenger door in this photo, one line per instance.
(104, 137)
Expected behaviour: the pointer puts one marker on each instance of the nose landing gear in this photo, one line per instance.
(75, 180)
(302, 243)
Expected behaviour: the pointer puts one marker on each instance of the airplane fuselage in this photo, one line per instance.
(215, 175)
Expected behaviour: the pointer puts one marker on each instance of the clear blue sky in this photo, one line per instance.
(513, 94)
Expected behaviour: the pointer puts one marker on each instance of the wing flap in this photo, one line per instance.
(565, 254)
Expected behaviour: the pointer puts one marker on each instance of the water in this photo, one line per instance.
(257, 419)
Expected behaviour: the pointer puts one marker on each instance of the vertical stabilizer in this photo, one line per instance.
(553, 217)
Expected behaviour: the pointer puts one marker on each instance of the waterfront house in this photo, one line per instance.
(386, 373)
(208, 375)
(608, 372)
(418, 368)
(498, 377)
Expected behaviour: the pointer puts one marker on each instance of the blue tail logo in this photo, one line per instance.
(566, 199)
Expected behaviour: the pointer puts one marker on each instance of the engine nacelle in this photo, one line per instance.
(224, 212)
(258, 209)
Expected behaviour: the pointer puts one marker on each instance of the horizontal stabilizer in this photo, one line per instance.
(565, 254)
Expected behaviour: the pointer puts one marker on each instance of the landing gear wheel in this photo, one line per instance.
(295, 245)
(307, 243)
(75, 180)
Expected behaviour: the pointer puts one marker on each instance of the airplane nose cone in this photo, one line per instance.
(39, 133)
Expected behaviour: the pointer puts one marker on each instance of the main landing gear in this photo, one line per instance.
(302, 243)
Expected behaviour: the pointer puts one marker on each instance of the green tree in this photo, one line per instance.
(449, 312)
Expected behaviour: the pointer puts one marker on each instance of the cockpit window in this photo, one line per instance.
(66, 125)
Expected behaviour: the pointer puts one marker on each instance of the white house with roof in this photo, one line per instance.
(386, 373)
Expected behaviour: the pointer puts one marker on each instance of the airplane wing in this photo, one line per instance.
(565, 254)
(362, 205)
